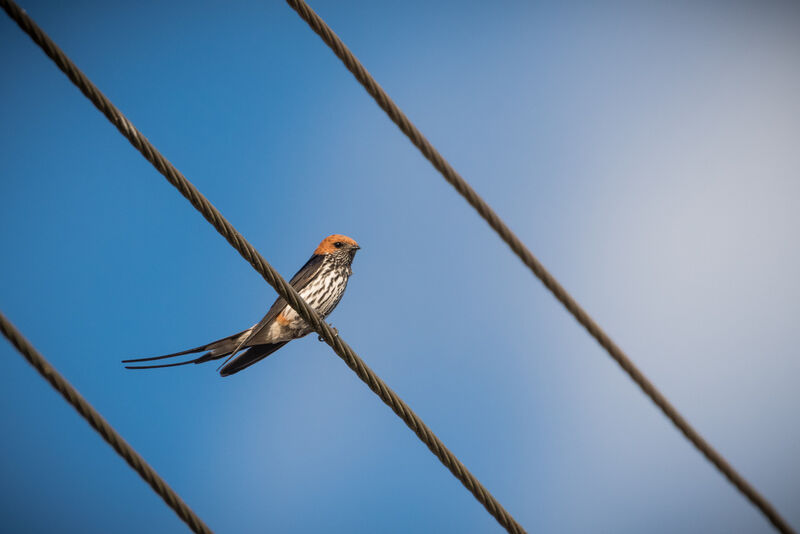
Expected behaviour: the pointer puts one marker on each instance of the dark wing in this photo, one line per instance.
(252, 355)
(229, 346)
(298, 282)
(307, 272)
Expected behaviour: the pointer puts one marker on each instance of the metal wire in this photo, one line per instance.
(102, 426)
(488, 214)
(269, 274)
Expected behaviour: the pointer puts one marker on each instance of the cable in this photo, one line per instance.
(269, 274)
(102, 427)
(505, 233)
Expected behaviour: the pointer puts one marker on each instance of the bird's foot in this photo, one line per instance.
(335, 332)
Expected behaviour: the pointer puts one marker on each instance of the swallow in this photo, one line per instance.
(321, 282)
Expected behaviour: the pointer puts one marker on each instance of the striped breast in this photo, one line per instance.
(322, 293)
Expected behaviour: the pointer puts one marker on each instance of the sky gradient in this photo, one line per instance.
(646, 153)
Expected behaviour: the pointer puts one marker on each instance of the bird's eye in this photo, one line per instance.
(338, 244)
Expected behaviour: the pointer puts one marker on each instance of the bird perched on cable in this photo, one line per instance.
(321, 282)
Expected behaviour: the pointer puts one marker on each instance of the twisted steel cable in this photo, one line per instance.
(102, 426)
(269, 274)
(488, 214)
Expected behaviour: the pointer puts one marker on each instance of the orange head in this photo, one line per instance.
(337, 243)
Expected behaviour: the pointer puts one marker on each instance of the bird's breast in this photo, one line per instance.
(323, 293)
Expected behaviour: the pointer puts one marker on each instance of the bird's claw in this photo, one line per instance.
(335, 332)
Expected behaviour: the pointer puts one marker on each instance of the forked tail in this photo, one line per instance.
(216, 350)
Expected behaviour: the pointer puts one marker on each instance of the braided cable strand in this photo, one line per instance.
(102, 427)
(488, 214)
(272, 277)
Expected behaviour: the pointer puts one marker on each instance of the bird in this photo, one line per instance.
(321, 282)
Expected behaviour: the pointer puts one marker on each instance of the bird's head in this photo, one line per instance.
(339, 246)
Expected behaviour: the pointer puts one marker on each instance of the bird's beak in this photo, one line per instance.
(356, 247)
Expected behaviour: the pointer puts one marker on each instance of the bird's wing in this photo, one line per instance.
(252, 355)
(307, 272)
(229, 346)
(298, 282)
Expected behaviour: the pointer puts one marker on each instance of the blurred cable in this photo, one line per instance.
(269, 274)
(488, 214)
(102, 427)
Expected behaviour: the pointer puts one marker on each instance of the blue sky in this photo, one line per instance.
(646, 153)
